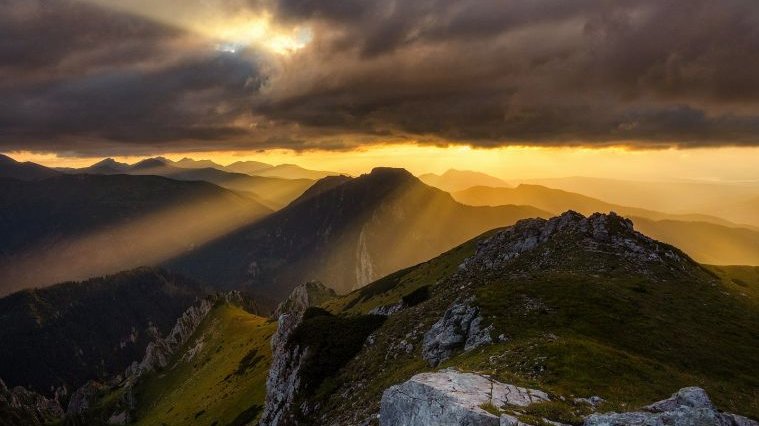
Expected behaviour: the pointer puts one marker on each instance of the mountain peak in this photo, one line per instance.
(390, 171)
(4, 159)
(151, 162)
(599, 242)
(109, 162)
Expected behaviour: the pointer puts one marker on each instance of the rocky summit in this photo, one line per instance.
(557, 242)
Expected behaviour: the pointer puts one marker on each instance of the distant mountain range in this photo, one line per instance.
(458, 180)
(252, 168)
(274, 192)
(730, 201)
(344, 232)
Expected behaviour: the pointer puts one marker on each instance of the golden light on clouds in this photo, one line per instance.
(509, 163)
(229, 30)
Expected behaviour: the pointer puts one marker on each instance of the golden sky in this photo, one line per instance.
(509, 163)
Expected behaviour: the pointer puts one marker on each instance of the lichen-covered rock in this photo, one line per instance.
(304, 296)
(450, 397)
(387, 310)
(687, 407)
(283, 382)
(610, 234)
(459, 328)
(692, 397)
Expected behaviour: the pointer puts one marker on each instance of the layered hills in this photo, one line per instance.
(272, 191)
(459, 180)
(707, 239)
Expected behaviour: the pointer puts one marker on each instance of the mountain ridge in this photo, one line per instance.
(342, 226)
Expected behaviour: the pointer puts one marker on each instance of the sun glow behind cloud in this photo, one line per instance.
(229, 30)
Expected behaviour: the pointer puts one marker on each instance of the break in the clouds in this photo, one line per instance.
(83, 77)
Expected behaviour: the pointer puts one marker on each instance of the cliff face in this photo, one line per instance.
(284, 380)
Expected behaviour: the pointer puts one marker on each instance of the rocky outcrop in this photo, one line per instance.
(449, 397)
(607, 234)
(284, 381)
(304, 296)
(84, 397)
(21, 406)
(687, 407)
(459, 328)
(159, 352)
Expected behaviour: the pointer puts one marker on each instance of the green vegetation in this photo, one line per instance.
(589, 324)
(624, 338)
(403, 283)
(217, 378)
(742, 281)
(332, 341)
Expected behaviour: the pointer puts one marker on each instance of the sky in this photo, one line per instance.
(658, 88)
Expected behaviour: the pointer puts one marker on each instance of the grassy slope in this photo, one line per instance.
(629, 340)
(393, 287)
(223, 384)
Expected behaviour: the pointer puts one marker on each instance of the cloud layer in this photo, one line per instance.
(80, 78)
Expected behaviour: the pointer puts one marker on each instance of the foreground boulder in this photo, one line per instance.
(687, 407)
(450, 397)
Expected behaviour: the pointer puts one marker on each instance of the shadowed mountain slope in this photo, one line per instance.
(73, 227)
(10, 168)
(73, 332)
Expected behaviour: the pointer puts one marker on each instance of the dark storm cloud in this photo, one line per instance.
(185, 100)
(82, 79)
(62, 36)
(491, 72)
